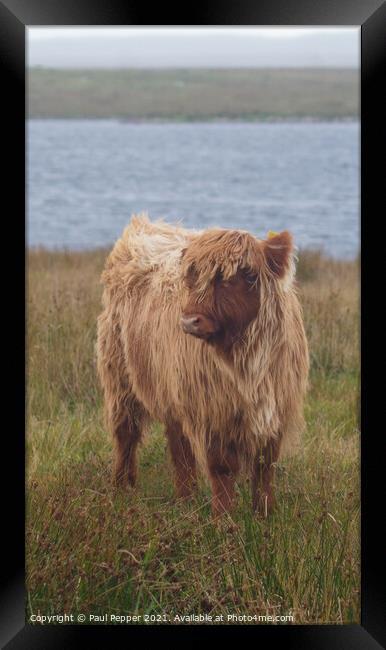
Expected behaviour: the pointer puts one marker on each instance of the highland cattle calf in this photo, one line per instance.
(202, 331)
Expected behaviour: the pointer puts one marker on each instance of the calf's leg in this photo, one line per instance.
(183, 460)
(127, 434)
(223, 465)
(263, 499)
(124, 414)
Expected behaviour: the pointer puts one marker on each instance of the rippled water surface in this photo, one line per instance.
(85, 178)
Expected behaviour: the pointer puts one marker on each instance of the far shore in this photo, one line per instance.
(195, 95)
(270, 119)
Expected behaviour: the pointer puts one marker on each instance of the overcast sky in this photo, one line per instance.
(138, 47)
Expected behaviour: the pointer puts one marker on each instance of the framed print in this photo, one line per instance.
(196, 253)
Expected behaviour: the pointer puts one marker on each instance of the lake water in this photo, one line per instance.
(86, 177)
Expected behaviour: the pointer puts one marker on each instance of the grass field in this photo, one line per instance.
(254, 94)
(94, 550)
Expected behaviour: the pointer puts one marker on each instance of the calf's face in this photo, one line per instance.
(226, 309)
(222, 272)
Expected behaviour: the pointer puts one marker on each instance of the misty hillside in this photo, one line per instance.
(199, 94)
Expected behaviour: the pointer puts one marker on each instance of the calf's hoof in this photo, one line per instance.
(185, 490)
(123, 479)
(221, 509)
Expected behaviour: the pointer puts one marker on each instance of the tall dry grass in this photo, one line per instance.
(91, 549)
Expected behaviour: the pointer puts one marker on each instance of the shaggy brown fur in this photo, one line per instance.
(203, 332)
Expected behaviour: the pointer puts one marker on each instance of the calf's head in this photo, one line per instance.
(223, 273)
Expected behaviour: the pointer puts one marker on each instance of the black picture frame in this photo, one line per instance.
(15, 16)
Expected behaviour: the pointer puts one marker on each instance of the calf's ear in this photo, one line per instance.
(278, 250)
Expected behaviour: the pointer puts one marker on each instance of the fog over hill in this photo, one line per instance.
(202, 47)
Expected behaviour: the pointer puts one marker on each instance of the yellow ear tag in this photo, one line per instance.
(271, 233)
